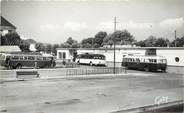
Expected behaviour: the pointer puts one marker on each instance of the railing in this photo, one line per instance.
(102, 70)
(71, 65)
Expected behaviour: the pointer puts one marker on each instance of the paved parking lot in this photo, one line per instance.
(99, 94)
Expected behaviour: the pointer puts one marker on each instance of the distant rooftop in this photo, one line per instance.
(5, 24)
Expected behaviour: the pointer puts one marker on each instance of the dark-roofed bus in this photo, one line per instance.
(147, 63)
(20, 59)
(91, 59)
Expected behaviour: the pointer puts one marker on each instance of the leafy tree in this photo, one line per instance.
(65, 45)
(48, 48)
(11, 39)
(122, 37)
(161, 42)
(98, 40)
(70, 43)
(54, 47)
(179, 42)
(24, 46)
(87, 43)
(40, 47)
(150, 41)
(140, 43)
(75, 44)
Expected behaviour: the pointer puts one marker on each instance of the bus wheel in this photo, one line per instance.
(146, 69)
(91, 64)
(18, 66)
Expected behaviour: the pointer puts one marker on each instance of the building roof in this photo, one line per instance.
(4, 49)
(5, 24)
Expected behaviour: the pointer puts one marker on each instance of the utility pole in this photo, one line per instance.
(114, 71)
(175, 38)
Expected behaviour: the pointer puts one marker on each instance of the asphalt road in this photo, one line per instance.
(51, 94)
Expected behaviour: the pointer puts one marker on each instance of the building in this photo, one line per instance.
(6, 27)
(174, 55)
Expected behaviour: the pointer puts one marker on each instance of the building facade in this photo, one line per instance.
(174, 55)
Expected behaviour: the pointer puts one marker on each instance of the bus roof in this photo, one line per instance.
(145, 56)
(92, 54)
(22, 53)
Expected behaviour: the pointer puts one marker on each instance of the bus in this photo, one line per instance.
(91, 59)
(146, 63)
(21, 59)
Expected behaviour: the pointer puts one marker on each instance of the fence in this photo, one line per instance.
(102, 70)
(71, 65)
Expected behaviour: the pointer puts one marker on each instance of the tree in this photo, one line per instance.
(11, 39)
(98, 40)
(140, 43)
(122, 37)
(161, 42)
(48, 48)
(75, 44)
(24, 46)
(40, 46)
(150, 41)
(87, 43)
(54, 47)
(70, 43)
(179, 42)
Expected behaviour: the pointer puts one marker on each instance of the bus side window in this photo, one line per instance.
(21, 57)
(146, 60)
(137, 60)
(15, 58)
(133, 59)
(31, 58)
(39, 58)
(149, 60)
(154, 60)
(44, 58)
(48, 58)
(25, 58)
(129, 60)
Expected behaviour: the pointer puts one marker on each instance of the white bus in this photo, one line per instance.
(91, 59)
(147, 63)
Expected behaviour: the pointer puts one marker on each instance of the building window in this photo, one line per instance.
(177, 59)
(60, 55)
(64, 55)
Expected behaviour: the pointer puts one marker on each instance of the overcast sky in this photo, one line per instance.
(53, 21)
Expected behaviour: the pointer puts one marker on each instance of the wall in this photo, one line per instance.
(169, 53)
(68, 55)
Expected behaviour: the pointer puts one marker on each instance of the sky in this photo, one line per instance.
(53, 21)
